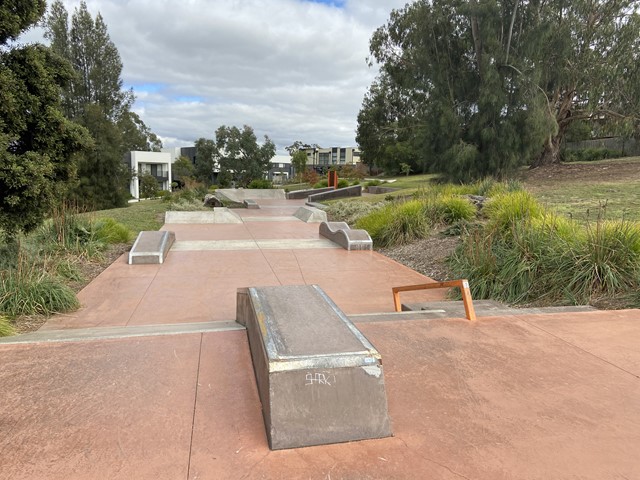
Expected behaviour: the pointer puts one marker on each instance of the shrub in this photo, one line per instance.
(396, 224)
(506, 209)
(449, 209)
(606, 260)
(27, 291)
(375, 221)
(259, 183)
(71, 232)
(351, 211)
(321, 184)
(6, 329)
(342, 183)
(549, 259)
(149, 186)
(107, 230)
(590, 154)
(374, 183)
(310, 176)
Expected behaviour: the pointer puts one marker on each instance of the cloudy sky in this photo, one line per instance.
(292, 69)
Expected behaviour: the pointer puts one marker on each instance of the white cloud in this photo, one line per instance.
(292, 69)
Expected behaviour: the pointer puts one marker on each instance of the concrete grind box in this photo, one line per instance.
(320, 380)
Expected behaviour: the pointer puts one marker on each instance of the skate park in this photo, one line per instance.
(155, 377)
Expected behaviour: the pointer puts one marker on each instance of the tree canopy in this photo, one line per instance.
(95, 97)
(239, 154)
(37, 142)
(476, 88)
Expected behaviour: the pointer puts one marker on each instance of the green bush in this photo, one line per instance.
(70, 232)
(343, 183)
(351, 211)
(506, 209)
(149, 186)
(107, 230)
(6, 328)
(551, 260)
(449, 209)
(321, 184)
(375, 221)
(396, 223)
(374, 183)
(259, 183)
(27, 291)
(590, 154)
(68, 269)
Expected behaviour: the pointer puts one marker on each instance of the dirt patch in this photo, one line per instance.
(621, 170)
(427, 256)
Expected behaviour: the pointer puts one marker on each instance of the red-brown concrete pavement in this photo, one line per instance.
(527, 397)
(521, 398)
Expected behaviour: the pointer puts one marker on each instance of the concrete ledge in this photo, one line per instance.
(354, 191)
(250, 203)
(298, 194)
(320, 380)
(238, 195)
(218, 215)
(105, 333)
(343, 235)
(151, 247)
(310, 214)
(377, 190)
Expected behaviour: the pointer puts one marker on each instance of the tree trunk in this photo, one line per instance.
(550, 154)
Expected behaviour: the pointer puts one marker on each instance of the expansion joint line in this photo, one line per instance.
(581, 349)
(195, 400)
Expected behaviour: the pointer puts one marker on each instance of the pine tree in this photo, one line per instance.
(37, 142)
(95, 98)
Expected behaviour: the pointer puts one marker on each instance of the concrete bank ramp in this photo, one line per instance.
(151, 247)
(217, 215)
(343, 235)
(319, 379)
(310, 214)
(239, 195)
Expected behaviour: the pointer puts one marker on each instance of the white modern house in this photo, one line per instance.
(157, 164)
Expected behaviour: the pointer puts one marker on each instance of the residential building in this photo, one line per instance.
(157, 164)
(323, 158)
(281, 169)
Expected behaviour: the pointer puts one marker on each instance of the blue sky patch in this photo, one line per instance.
(333, 3)
(147, 87)
(187, 99)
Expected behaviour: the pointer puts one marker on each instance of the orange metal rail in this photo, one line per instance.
(462, 284)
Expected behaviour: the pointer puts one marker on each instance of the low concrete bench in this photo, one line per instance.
(249, 203)
(320, 380)
(343, 235)
(151, 247)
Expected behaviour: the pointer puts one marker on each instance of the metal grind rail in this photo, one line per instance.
(462, 284)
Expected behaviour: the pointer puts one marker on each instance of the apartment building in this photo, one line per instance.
(323, 158)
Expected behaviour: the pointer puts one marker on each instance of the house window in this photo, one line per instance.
(343, 155)
(323, 158)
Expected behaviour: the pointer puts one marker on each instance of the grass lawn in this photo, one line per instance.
(138, 216)
(579, 189)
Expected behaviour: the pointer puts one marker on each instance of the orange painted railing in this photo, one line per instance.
(463, 285)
